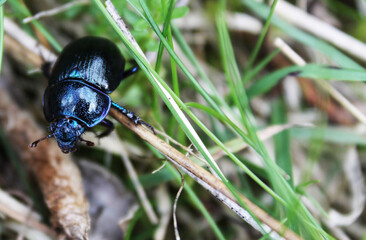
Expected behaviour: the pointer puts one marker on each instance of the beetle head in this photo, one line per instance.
(67, 133)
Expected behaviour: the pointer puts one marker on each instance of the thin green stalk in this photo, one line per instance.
(173, 66)
(159, 58)
(190, 55)
(260, 66)
(282, 140)
(165, 33)
(261, 39)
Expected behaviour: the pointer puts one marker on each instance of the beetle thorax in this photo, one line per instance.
(67, 133)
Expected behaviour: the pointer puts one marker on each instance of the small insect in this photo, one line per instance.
(76, 99)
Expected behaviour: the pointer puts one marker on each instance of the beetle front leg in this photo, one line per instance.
(132, 116)
(109, 128)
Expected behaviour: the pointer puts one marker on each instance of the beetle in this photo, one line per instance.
(76, 98)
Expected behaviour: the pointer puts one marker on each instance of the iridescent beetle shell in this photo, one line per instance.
(76, 97)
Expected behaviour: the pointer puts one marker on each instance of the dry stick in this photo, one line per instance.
(207, 180)
(295, 58)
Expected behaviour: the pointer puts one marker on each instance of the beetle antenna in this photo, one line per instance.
(35, 143)
(88, 143)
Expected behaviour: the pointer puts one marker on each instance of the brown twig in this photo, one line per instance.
(203, 177)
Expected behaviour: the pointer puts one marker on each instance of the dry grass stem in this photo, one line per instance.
(207, 180)
(175, 222)
(55, 11)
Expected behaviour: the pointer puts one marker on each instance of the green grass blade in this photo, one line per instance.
(252, 73)
(261, 39)
(282, 140)
(267, 82)
(168, 16)
(327, 73)
(329, 134)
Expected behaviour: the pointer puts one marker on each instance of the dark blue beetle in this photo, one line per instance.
(76, 97)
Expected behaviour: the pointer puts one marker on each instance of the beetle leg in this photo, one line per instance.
(129, 72)
(35, 143)
(132, 116)
(109, 128)
(88, 143)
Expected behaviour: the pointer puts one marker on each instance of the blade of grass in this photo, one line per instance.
(267, 82)
(282, 140)
(314, 71)
(259, 66)
(335, 135)
(260, 40)
(167, 20)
